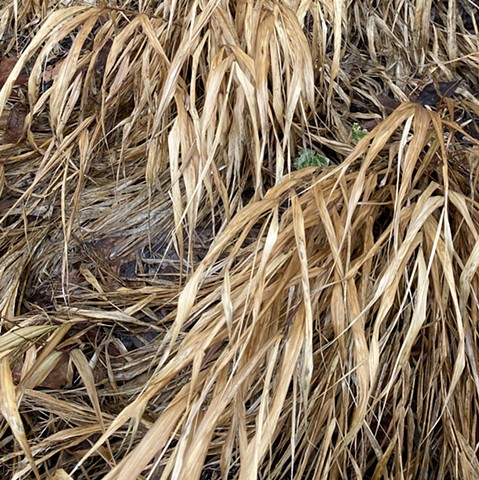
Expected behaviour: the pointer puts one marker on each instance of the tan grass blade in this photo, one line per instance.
(9, 409)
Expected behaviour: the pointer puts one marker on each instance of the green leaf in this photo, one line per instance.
(308, 157)
(358, 132)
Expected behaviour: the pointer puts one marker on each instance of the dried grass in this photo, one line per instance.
(176, 302)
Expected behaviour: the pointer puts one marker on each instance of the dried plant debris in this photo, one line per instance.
(432, 93)
(15, 123)
(233, 244)
(7, 64)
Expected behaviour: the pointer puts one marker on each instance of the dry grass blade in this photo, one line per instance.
(9, 409)
(307, 360)
(19, 336)
(180, 298)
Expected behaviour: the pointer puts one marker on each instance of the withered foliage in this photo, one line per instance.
(177, 302)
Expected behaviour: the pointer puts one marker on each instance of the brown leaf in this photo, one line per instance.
(100, 61)
(15, 124)
(52, 71)
(7, 64)
(433, 93)
(61, 375)
(389, 103)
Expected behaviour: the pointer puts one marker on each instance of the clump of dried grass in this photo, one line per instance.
(175, 303)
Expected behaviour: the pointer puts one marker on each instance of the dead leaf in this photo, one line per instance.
(432, 93)
(7, 64)
(52, 71)
(15, 124)
(102, 57)
(61, 375)
(389, 103)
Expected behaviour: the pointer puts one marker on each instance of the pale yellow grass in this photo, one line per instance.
(176, 302)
